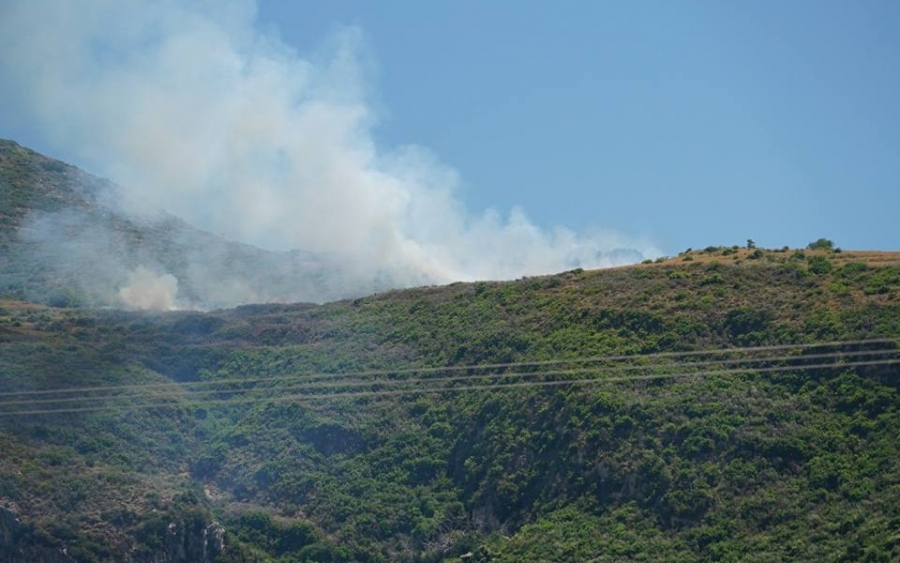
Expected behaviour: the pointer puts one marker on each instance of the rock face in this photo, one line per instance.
(192, 541)
(189, 542)
(18, 545)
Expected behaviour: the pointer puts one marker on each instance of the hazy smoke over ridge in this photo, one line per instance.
(193, 110)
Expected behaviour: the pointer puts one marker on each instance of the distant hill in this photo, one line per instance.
(65, 242)
(723, 405)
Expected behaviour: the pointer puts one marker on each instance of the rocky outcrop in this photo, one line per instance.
(189, 540)
(18, 544)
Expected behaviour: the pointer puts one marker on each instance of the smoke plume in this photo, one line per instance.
(146, 289)
(191, 109)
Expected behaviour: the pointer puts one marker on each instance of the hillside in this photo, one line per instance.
(723, 402)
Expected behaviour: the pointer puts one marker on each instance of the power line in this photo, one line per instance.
(300, 397)
(313, 383)
(469, 367)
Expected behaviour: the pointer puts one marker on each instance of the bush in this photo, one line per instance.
(820, 265)
(712, 279)
(821, 244)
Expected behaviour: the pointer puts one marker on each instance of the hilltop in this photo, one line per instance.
(722, 402)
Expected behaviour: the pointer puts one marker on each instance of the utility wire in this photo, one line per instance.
(176, 390)
(300, 397)
(469, 367)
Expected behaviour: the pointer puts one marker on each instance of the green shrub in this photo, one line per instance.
(820, 265)
(821, 244)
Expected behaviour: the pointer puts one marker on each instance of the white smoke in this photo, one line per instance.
(193, 110)
(148, 290)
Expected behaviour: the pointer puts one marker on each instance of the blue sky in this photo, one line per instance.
(694, 123)
(427, 142)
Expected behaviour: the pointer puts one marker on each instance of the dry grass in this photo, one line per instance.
(725, 255)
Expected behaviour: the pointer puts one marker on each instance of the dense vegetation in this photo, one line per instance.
(725, 402)
(798, 463)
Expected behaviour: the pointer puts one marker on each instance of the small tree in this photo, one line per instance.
(821, 244)
(820, 265)
(750, 244)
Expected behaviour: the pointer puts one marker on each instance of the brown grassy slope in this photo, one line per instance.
(725, 255)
